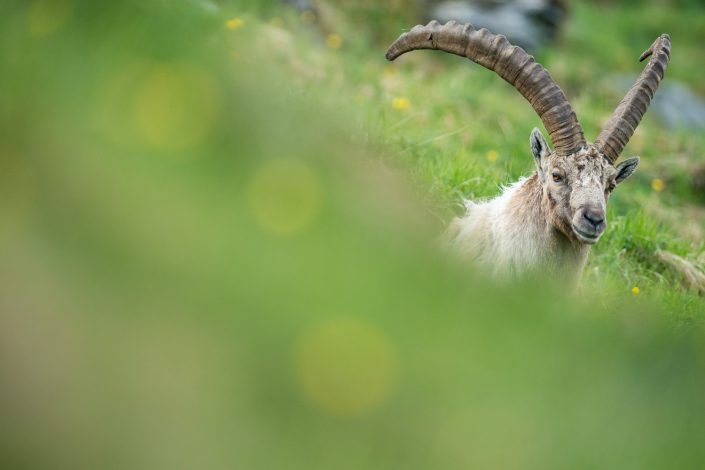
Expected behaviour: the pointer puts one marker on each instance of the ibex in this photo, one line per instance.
(549, 220)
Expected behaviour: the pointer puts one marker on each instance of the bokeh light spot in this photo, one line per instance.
(285, 197)
(346, 367)
(48, 16)
(492, 155)
(176, 106)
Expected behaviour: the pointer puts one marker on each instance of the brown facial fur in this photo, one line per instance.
(585, 182)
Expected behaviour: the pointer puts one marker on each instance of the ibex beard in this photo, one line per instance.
(547, 222)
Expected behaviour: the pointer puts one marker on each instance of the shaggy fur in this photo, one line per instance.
(545, 222)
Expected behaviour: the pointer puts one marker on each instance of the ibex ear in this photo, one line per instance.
(626, 168)
(540, 149)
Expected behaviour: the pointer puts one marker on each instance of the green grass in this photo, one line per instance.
(459, 112)
(216, 250)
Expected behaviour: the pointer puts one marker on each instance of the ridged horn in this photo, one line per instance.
(512, 63)
(621, 126)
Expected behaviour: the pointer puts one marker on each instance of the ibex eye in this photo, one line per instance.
(557, 178)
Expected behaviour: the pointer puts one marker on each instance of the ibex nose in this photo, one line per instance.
(595, 216)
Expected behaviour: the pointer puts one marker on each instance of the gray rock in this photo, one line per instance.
(207, 6)
(301, 5)
(675, 104)
(527, 23)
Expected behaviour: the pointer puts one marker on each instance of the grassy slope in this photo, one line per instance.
(159, 308)
(463, 133)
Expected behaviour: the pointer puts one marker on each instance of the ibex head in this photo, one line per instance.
(577, 176)
(576, 187)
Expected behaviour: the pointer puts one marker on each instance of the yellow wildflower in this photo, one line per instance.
(657, 185)
(492, 155)
(635, 290)
(235, 23)
(334, 41)
(401, 103)
(390, 71)
(308, 17)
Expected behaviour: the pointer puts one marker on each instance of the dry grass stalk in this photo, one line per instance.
(693, 277)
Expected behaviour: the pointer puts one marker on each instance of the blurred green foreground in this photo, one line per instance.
(203, 265)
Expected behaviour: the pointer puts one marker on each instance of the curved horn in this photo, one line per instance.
(621, 126)
(511, 63)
